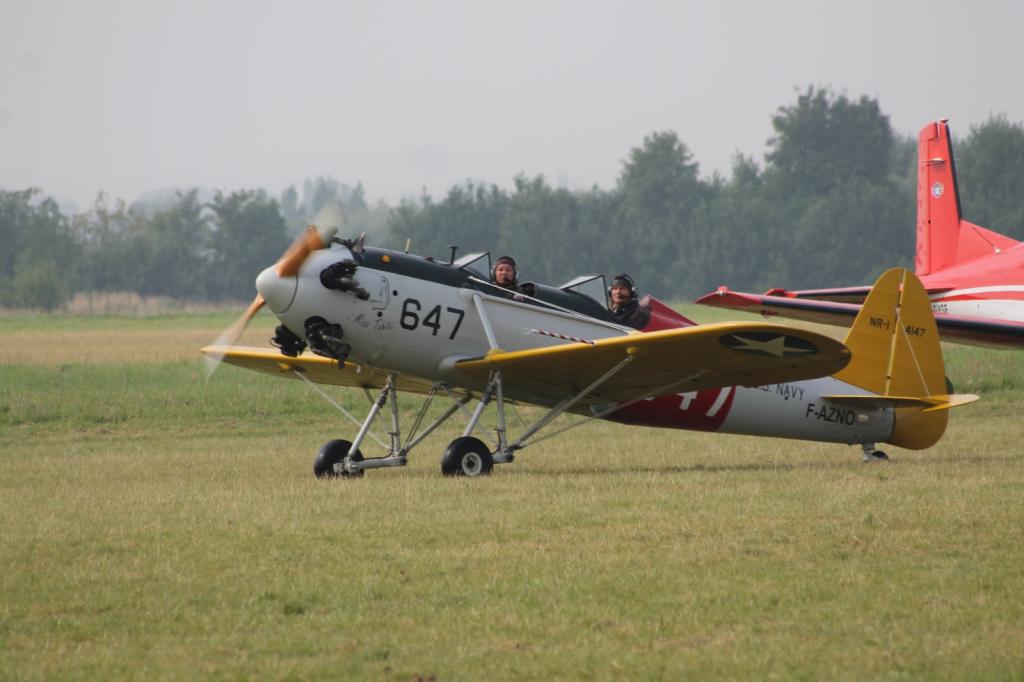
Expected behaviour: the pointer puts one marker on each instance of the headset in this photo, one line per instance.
(505, 259)
(626, 280)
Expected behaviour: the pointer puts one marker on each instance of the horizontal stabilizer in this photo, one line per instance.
(929, 403)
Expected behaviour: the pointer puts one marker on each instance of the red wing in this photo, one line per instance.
(978, 331)
(981, 331)
(839, 295)
(824, 312)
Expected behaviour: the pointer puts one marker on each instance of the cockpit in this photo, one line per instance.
(585, 294)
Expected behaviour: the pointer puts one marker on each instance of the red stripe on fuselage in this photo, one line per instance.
(700, 411)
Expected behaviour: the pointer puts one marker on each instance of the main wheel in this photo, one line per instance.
(877, 456)
(333, 452)
(467, 456)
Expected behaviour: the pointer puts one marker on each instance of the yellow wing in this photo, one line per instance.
(673, 360)
(315, 368)
(676, 360)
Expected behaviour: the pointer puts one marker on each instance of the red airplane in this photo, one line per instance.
(974, 276)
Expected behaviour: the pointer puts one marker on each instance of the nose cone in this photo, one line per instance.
(277, 291)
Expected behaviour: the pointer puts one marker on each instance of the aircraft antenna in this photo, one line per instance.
(451, 258)
(408, 244)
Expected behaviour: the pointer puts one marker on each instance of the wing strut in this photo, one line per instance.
(504, 452)
(486, 322)
(456, 404)
(338, 406)
(566, 404)
(474, 418)
(347, 463)
(397, 453)
(661, 390)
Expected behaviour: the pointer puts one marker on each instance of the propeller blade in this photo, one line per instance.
(231, 335)
(329, 217)
(317, 235)
(306, 243)
(331, 214)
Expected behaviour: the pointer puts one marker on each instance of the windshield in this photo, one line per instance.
(478, 264)
(589, 285)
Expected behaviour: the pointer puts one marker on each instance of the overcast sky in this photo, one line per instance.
(143, 95)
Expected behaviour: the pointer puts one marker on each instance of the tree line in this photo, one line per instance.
(832, 203)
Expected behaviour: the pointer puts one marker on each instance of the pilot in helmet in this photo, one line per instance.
(625, 304)
(505, 274)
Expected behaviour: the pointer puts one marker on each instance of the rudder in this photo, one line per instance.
(894, 343)
(938, 200)
(944, 238)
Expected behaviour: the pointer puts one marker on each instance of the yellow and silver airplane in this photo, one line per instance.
(394, 322)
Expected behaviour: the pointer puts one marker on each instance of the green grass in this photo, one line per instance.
(155, 526)
(157, 396)
(214, 321)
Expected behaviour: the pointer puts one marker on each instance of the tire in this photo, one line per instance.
(331, 453)
(876, 456)
(467, 456)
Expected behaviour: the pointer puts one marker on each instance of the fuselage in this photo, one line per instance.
(988, 287)
(421, 317)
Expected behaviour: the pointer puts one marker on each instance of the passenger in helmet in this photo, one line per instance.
(505, 274)
(625, 304)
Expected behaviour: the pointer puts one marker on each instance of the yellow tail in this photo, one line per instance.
(895, 353)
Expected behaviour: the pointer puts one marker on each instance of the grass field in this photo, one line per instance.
(156, 526)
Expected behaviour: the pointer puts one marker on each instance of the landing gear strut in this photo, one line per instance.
(466, 455)
(342, 458)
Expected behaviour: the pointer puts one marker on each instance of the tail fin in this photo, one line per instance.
(895, 354)
(944, 238)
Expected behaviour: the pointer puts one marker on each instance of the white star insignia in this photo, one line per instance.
(776, 346)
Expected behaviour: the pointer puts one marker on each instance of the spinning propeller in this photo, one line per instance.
(288, 265)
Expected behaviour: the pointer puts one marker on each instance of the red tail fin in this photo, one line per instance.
(944, 238)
